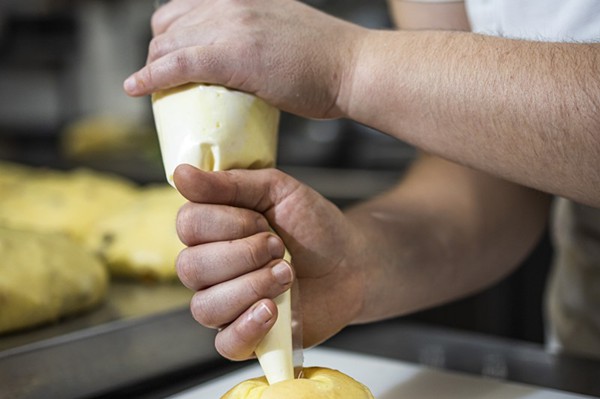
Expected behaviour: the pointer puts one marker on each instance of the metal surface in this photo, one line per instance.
(124, 300)
(476, 354)
(141, 330)
(109, 357)
(154, 356)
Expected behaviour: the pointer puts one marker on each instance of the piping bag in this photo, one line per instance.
(214, 128)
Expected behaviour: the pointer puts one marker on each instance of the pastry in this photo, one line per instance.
(316, 383)
(44, 278)
(60, 202)
(139, 240)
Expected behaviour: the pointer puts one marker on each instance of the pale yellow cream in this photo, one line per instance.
(214, 128)
(44, 278)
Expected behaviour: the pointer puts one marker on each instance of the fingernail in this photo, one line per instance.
(262, 313)
(275, 247)
(130, 84)
(282, 273)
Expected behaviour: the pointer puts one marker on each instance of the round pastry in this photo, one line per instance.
(316, 383)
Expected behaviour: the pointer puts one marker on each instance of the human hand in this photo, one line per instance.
(232, 256)
(289, 54)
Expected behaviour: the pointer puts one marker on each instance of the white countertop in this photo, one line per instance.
(391, 379)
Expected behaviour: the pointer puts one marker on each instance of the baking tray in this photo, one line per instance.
(142, 331)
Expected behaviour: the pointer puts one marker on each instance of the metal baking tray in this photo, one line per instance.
(140, 332)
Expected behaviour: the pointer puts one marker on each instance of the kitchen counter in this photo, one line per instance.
(162, 354)
(476, 354)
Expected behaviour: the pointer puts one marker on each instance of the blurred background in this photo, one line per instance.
(62, 64)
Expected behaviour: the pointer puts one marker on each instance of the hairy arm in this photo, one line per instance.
(526, 111)
(521, 110)
(446, 231)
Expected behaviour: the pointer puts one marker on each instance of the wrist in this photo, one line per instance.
(352, 64)
(370, 71)
(366, 258)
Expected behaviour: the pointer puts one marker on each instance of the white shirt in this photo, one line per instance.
(546, 20)
(573, 294)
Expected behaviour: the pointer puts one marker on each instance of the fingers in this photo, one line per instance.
(170, 42)
(239, 340)
(168, 13)
(206, 265)
(221, 304)
(190, 64)
(234, 261)
(186, 60)
(202, 223)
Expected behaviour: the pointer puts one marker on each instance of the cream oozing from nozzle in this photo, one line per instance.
(214, 128)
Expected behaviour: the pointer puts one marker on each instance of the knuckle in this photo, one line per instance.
(182, 62)
(227, 349)
(184, 224)
(203, 312)
(257, 289)
(254, 254)
(213, 61)
(277, 178)
(155, 48)
(234, 183)
(245, 15)
(277, 175)
(245, 223)
(284, 186)
(186, 270)
(243, 347)
(147, 74)
(157, 21)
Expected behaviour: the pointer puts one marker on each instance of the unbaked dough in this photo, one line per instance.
(317, 383)
(45, 277)
(140, 241)
(131, 228)
(59, 202)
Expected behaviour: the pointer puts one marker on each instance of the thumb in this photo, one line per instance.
(259, 190)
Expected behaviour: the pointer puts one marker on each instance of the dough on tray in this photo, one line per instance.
(45, 277)
(60, 202)
(140, 240)
(131, 228)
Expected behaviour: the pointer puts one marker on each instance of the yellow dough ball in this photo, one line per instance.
(317, 383)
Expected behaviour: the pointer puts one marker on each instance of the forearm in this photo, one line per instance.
(443, 233)
(524, 111)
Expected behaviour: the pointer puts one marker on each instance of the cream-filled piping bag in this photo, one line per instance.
(214, 128)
